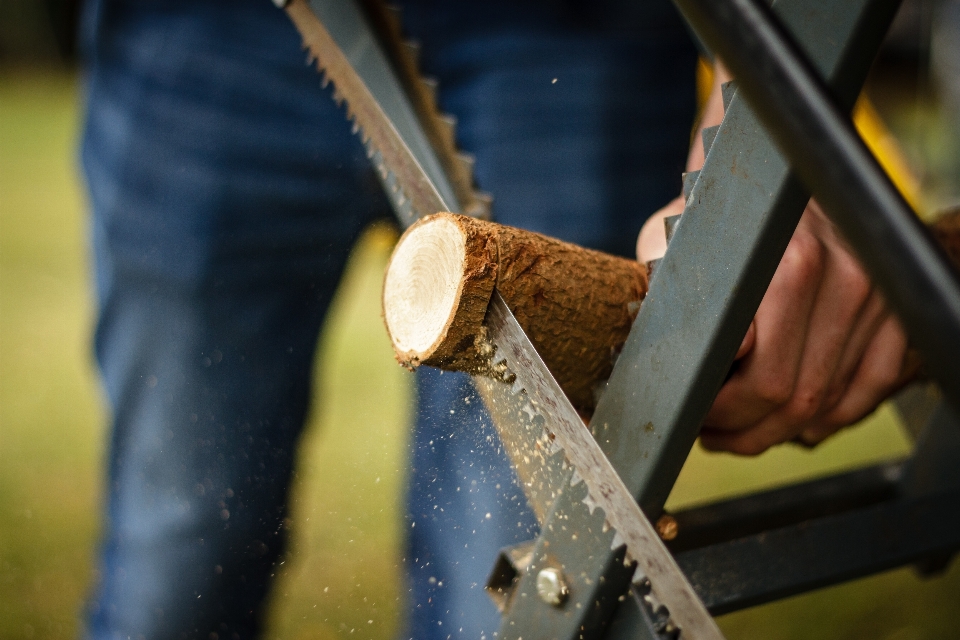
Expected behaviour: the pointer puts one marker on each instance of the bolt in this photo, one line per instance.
(667, 527)
(551, 588)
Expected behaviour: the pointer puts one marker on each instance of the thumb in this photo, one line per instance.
(652, 241)
(746, 346)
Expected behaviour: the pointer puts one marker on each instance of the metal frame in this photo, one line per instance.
(706, 289)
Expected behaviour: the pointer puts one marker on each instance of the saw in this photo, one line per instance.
(599, 557)
(410, 143)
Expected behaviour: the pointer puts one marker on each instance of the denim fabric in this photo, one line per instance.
(226, 193)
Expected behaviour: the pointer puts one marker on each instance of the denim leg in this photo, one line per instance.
(209, 389)
(227, 191)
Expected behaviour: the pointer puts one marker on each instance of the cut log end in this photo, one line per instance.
(423, 285)
(437, 288)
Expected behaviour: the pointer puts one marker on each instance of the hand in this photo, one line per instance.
(822, 352)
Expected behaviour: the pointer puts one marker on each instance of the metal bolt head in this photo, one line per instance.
(551, 587)
(667, 527)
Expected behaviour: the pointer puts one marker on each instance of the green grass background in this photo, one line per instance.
(342, 575)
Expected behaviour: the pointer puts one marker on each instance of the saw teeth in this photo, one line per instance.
(466, 162)
(448, 129)
(689, 179)
(591, 507)
(663, 624)
(653, 602)
(392, 14)
(575, 478)
(670, 226)
(412, 47)
(727, 90)
(708, 136)
(430, 87)
(459, 166)
(617, 541)
(554, 445)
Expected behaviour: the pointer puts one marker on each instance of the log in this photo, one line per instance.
(575, 304)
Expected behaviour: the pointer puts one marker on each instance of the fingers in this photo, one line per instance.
(652, 241)
(838, 312)
(822, 351)
(767, 376)
(884, 368)
(750, 339)
(873, 315)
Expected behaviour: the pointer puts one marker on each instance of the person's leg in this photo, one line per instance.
(579, 116)
(226, 191)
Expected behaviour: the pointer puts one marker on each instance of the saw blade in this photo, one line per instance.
(521, 368)
(363, 78)
(534, 418)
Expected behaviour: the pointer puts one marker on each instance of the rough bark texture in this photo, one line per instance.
(575, 304)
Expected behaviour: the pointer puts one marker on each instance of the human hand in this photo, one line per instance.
(821, 353)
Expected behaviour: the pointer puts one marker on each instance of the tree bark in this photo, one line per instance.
(575, 304)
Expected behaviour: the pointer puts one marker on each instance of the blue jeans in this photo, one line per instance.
(227, 191)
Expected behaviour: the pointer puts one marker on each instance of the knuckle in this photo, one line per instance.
(855, 282)
(804, 405)
(775, 389)
(804, 258)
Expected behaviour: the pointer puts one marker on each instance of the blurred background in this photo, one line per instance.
(342, 577)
